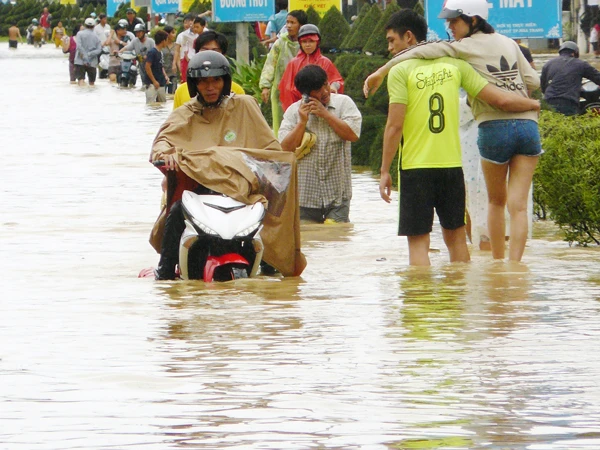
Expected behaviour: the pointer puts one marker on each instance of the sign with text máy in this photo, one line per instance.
(165, 6)
(513, 18)
(242, 10)
(321, 6)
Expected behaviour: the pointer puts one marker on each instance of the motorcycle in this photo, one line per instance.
(103, 62)
(590, 98)
(128, 73)
(221, 240)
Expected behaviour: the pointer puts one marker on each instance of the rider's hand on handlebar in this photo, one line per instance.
(171, 162)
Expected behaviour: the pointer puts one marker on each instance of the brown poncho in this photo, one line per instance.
(218, 148)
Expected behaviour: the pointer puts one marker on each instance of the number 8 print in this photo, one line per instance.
(437, 121)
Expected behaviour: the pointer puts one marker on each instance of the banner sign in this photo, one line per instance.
(321, 6)
(165, 6)
(186, 5)
(112, 6)
(62, 2)
(515, 19)
(242, 10)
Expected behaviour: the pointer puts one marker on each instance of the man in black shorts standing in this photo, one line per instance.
(13, 34)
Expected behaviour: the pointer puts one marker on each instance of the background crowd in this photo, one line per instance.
(291, 43)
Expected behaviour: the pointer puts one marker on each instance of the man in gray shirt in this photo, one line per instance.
(88, 50)
(140, 45)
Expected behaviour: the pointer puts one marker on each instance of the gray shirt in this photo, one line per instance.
(88, 48)
(140, 48)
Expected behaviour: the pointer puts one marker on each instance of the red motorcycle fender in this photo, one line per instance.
(212, 262)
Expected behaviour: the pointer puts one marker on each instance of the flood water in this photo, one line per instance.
(361, 352)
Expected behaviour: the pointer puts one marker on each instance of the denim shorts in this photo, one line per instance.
(500, 140)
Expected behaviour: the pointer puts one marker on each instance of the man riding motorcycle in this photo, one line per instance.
(198, 138)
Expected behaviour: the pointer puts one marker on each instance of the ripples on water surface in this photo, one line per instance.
(361, 352)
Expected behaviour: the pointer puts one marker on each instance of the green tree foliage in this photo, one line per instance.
(354, 82)
(229, 30)
(419, 9)
(566, 182)
(361, 31)
(346, 62)
(361, 15)
(199, 7)
(377, 43)
(361, 149)
(248, 75)
(333, 29)
(313, 16)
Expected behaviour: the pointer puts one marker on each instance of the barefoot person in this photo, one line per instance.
(13, 34)
(509, 143)
(424, 99)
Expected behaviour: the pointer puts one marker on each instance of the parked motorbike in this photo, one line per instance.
(590, 98)
(128, 73)
(103, 62)
(221, 240)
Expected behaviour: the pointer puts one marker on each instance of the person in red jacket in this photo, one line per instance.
(309, 53)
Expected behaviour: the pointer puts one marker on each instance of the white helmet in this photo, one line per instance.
(455, 8)
(89, 22)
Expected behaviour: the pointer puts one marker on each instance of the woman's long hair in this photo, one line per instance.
(480, 25)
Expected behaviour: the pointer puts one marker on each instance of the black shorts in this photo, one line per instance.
(12, 44)
(81, 71)
(422, 191)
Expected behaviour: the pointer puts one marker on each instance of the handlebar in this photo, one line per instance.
(159, 163)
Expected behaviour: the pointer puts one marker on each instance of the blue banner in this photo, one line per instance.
(165, 6)
(112, 6)
(243, 10)
(515, 19)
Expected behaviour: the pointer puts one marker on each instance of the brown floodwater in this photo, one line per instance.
(361, 352)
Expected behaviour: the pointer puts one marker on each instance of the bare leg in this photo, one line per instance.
(456, 242)
(520, 174)
(495, 181)
(418, 250)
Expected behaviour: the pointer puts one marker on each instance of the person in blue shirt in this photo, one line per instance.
(156, 77)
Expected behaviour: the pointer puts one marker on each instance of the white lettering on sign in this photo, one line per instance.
(515, 3)
(233, 3)
(258, 3)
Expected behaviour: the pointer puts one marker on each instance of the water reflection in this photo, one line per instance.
(360, 352)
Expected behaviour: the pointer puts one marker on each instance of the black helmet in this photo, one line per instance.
(205, 64)
(309, 28)
(569, 46)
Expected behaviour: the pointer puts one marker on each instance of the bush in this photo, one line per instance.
(377, 43)
(346, 62)
(376, 154)
(360, 71)
(361, 31)
(361, 15)
(566, 180)
(313, 16)
(334, 29)
(361, 149)
(248, 75)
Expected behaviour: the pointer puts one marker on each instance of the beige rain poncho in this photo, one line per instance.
(232, 150)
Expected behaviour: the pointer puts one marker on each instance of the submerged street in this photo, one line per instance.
(361, 352)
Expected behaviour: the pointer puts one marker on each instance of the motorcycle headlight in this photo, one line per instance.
(251, 229)
(204, 228)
